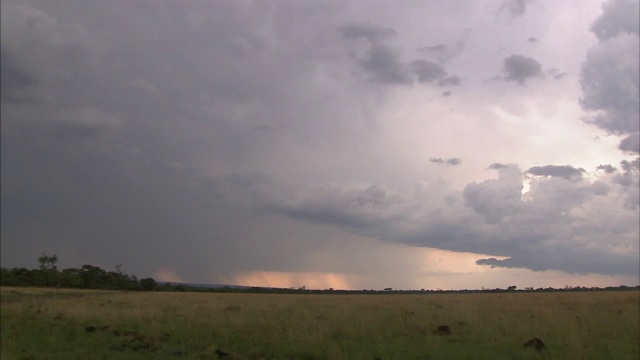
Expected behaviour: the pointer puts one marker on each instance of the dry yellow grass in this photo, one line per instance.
(43, 323)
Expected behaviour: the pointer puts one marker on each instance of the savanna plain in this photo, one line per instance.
(88, 324)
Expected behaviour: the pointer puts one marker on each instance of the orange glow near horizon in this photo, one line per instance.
(310, 280)
(168, 275)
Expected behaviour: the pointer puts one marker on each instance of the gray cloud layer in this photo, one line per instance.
(554, 227)
(234, 136)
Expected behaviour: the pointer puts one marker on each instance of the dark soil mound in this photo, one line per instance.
(535, 344)
(442, 330)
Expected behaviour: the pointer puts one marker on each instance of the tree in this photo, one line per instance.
(92, 277)
(148, 284)
(48, 263)
(48, 268)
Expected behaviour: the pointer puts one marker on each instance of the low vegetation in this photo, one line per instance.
(48, 323)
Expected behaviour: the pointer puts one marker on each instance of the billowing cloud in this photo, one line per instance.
(520, 68)
(618, 17)
(611, 88)
(560, 215)
(631, 143)
(496, 198)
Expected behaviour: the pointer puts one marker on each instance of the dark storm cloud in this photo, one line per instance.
(631, 143)
(548, 230)
(18, 84)
(190, 137)
(538, 260)
(611, 89)
(450, 161)
(563, 171)
(520, 68)
(112, 160)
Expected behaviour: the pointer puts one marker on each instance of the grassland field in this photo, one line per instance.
(86, 324)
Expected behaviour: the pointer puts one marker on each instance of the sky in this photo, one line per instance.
(328, 144)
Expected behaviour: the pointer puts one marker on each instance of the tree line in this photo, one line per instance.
(85, 277)
(93, 277)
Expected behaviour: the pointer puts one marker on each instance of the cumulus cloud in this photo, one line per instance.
(611, 88)
(496, 198)
(520, 68)
(618, 16)
(564, 171)
(631, 143)
(558, 224)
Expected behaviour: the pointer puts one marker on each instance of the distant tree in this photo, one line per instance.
(48, 263)
(512, 288)
(48, 269)
(93, 277)
(148, 284)
(71, 278)
(8, 278)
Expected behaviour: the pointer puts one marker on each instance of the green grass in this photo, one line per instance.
(46, 324)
